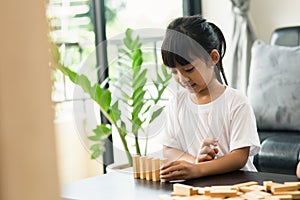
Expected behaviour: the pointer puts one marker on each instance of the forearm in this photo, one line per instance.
(230, 162)
(173, 154)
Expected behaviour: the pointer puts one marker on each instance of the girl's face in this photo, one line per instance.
(195, 76)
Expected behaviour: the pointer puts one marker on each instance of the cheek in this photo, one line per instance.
(176, 78)
(203, 76)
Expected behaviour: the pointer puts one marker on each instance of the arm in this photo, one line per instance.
(206, 152)
(173, 154)
(298, 170)
(185, 170)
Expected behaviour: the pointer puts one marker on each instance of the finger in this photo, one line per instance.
(175, 175)
(212, 153)
(166, 165)
(216, 150)
(205, 150)
(205, 158)
(209, 141)
(170, 169)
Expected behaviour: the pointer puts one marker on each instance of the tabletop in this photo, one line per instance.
(122, 185)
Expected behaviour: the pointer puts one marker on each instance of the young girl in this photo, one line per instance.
(211, 128)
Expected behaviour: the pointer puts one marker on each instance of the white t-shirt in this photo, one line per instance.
(229, 118)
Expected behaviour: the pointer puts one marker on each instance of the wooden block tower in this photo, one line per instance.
(147, 168)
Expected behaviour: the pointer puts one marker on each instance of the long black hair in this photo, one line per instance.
(193, 35)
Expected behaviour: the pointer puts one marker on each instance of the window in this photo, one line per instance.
(72, 29)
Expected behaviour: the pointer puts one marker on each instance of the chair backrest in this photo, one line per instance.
(288, 36)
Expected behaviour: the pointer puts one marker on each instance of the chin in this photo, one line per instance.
(192, 90)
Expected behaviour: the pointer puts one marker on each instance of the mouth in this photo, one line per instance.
(189, 85)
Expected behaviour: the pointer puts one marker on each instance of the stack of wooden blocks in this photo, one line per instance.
(243, 191)
(147, 168)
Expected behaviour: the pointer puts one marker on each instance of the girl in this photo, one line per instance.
(211, 128)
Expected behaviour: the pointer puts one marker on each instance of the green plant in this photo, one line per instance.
(133, 96)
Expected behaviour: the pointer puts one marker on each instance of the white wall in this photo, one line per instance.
(266, 15)
(270, 14)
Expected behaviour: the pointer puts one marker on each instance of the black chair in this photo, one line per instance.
(280, 152)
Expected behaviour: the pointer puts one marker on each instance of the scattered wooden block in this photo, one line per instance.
(256, 195)
(293, 183)
(279, 197)
(283, 187)
(225, 193)
(182, 190)
(234, 192)
(294, 194)
(222, 187)
(269, 184)
(246, 184)
(136, 166)
(206, 191)
(252, 188)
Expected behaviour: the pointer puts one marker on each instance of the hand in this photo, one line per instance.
(208, 150)
(178, 170)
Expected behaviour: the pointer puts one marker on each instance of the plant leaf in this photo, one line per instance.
(105, 100)
(115, 113)
(155, 114)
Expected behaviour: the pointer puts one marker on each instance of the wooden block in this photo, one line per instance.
(195, 190)
(222, 187)
(155, 169)
(235, 198)
(279, 197)
(182, 190)
(293, 183)
(245, 189)
(200, 190)
(149, 169)
(162, 162)
(294, 194)
(136, 166)
(256, 195)
(252, 188)
(269, 184)
(143, 167)
(223, 193)
(258, 188)
(207, 191)
(246, 184)
(283, 187)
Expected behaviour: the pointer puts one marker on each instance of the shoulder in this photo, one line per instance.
(237, 101)
(178, 97)
(236, 96)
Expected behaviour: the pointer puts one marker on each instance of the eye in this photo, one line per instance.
(190, 69)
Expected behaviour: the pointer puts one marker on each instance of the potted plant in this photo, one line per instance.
(133, 95)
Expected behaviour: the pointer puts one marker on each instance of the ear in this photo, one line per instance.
(215, 56)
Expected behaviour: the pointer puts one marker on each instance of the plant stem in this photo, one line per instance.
(146, 145)
(137, 145)
(129, 157)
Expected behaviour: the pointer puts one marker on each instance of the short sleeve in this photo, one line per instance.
(243, 129)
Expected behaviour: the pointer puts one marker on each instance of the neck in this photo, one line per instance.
(213, 90)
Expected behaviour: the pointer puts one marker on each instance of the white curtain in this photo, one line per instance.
(242, 40)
